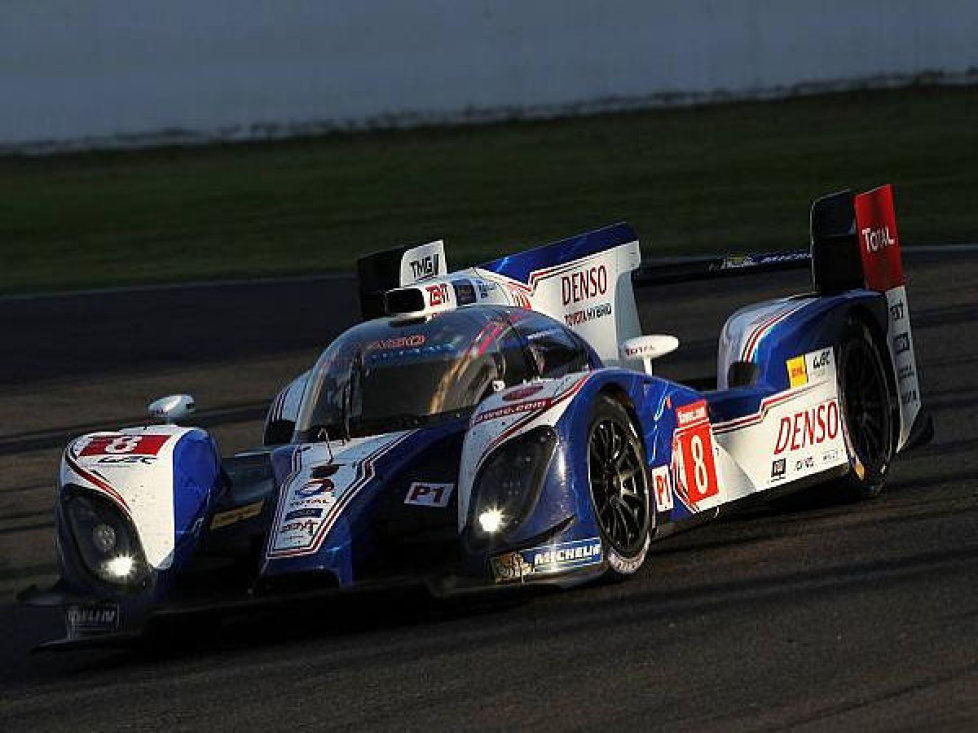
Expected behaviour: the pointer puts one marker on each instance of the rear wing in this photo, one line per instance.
(706, 268)
(834, 256)
(854, 245)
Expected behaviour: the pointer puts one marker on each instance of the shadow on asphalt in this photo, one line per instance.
(649, 594)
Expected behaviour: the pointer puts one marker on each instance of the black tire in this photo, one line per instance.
(619, 487)
(868, 409)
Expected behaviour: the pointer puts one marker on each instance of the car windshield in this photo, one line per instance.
(386, 374)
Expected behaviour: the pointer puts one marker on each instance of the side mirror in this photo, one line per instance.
(172, 408)
(648, 348)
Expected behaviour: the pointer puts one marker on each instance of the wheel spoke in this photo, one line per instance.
(629, 475)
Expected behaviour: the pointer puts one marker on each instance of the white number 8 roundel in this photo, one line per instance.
(123, 444)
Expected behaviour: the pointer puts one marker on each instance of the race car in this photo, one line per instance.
(499, 427)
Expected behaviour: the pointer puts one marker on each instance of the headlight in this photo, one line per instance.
(106, 542)
(509, 484)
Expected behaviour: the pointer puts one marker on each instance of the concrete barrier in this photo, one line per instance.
(118, 72)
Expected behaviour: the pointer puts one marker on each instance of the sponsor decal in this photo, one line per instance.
(114, 461)
(306, 513)
(411, 341)
(819, 361)
(797, 373)
(803, 464)
(425, 267)
(898, 311)
(233, 516)
(521, 393)
(811, 367)
(901, 342)
(576, 318)
(688, 414)
(306, 528)
(464, 292)
(876, 240)
(735, 261)
(437, 294)
(391, 355)
(425, 493)
(305, 535)
(314, 487)
(635, 352)
(879, 240)
(778, 469)
(85, 620)
(693, 465)
(662, 486)
(547, 559)
(809, 427)
(627, 566)
(584, 284)
(565, 555)
(510, 566)
(508, 410)
(142, 445)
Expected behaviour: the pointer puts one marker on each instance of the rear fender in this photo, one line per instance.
(771, 333)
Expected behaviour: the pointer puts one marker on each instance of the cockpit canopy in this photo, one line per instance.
(391, 374)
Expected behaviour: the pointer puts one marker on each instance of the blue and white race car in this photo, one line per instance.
(498, 426)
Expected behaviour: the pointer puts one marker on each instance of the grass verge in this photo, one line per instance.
(733, 177)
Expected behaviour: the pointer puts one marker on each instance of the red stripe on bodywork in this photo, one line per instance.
(99, 482)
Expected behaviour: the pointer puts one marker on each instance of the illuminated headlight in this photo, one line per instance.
(491, 520)
(106, 542)
(509, 484)
(120, 566)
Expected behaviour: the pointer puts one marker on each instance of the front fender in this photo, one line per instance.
(162, 479)
(565, 405)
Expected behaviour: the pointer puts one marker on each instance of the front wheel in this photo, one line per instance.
(868, 411)
(619, 487)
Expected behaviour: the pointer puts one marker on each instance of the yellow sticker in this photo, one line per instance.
(797, 372)
(234, 516)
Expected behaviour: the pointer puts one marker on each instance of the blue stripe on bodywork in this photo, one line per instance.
(519, 266)
(196, 475)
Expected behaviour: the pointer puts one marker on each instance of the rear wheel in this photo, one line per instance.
(619, 487)
(868, 410)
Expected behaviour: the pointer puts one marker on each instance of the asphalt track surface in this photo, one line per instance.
(817, 615)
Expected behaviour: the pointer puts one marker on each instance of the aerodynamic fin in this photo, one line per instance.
(584, 282)
(396, 268)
